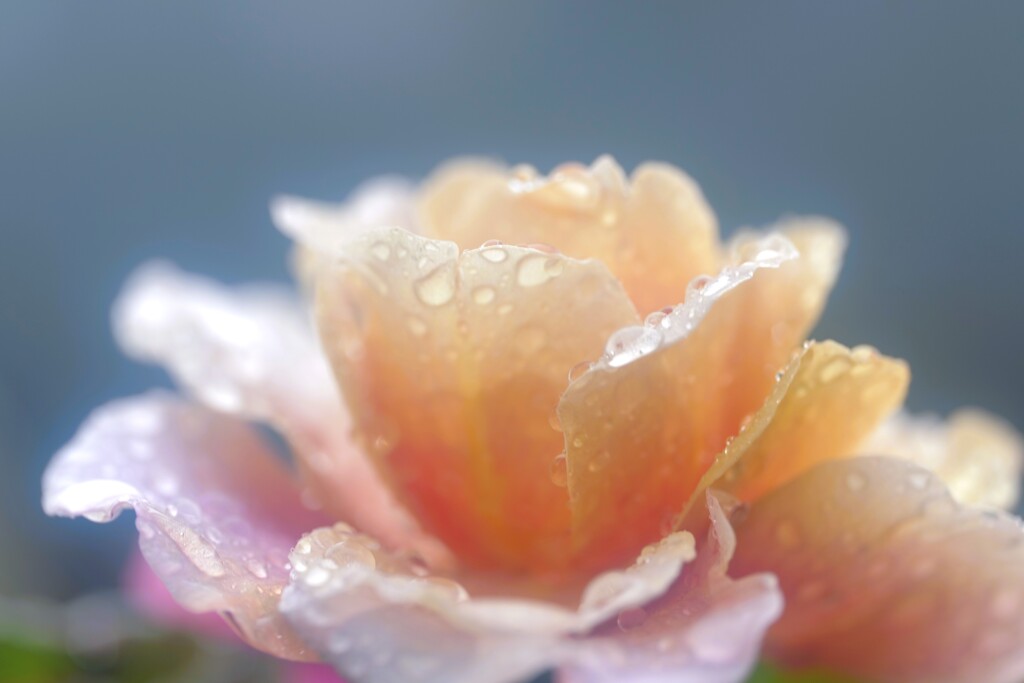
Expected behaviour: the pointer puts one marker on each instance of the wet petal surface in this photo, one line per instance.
(377, 617)
(452, 366)
(647, 420)
(252, 351)
(978, 456)
(828, 400)
(654, 231)
(887, 578)
(707, 628)
(216, 510)
(319, 228)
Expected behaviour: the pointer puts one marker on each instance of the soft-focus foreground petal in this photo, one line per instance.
(654, 231)
(888, 579)
(706, 629)
(216, 510)
(978, 456)
(452, 366)
(647, 420)
(380, 619)
(829, 398)
(252, 351)
(318, 228)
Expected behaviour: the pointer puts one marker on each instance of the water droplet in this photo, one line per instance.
(833, 369)
(256, 568)
(698, 285)
(381, 250)
(437, 287)
(536, 269)
(578, 370)
(918, 481)
(553, 420)
(346, 553)
(855, 481)
(504, 309)
(450, 589)
(631, 618)
(631, 343)
(483, 295)
(560, 471)
(598, 461)
(316, 576)
(494, 252)
(416, 326)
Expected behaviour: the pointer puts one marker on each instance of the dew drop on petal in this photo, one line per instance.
(346, 553)
(560, 470)
(631, 618)
(631, 343)
(437, 287)
(494, 252)
(536, 269)
(578, 370)
(483, 295)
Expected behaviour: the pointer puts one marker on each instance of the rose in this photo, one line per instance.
(706, 444)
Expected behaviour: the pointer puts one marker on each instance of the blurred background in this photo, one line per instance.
(134, 130)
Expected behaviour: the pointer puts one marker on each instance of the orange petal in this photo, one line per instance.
(886, 578)
(644, 423)
(453, 366)
(827, 401)
(655, 231)
(778, 312)
(979, 456)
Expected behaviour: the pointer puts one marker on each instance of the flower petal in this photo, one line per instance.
(317, 228)
(825, 403)
(452, 366)
(707, 628)
(378, 618)
(886, 578)
(646, 422)
(215, 511)
(655, 232)
(252, 351)
(978, 456)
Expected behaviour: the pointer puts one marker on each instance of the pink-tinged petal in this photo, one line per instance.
(452, 365)
(378, 617)
(643, 423)
(252, 351)
(319, 228)
(887, 578)
(706, 629)
(216, 510)
(977, 455)
(150, 596)
(654, 231)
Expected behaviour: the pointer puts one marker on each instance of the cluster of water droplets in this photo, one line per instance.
(670, 325)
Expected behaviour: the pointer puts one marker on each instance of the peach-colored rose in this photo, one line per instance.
(538, 465)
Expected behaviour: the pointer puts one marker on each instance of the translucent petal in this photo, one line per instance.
(706, 629)
(887, 578)
(319, 228)
(252, 351)
(216, 511)
(452, 366)
(825, 403)
(377, 617)
(978, 456)
(655, 231)
(647, 420)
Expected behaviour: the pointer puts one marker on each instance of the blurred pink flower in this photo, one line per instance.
(644, 519)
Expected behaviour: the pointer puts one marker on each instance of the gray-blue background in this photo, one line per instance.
(130, 130)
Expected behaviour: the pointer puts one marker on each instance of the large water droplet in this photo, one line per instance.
(631, 343)
(346, 553)
(536, 269)
(437, 287)
(577, 371)
(494, 252)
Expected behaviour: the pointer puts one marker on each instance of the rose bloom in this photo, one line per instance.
(553, 423)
